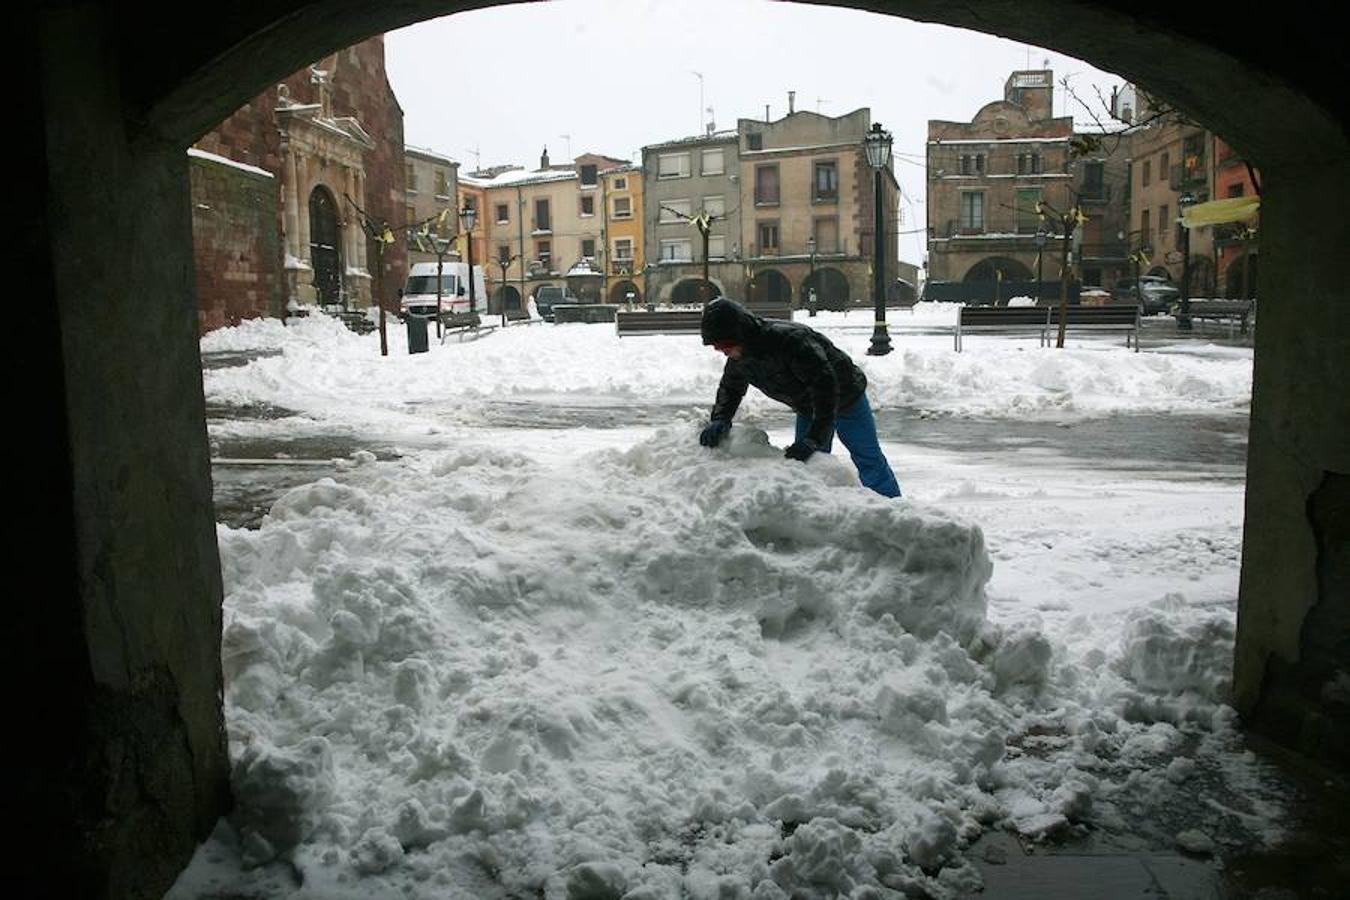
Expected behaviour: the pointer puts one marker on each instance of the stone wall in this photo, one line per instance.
(235, 242)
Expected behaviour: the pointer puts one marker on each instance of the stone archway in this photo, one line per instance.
(132, 622)
(507, 298)
(830, 286)
(769, 287)
(693, 290)
(1239, 280)
(989, 269)
(619, 291)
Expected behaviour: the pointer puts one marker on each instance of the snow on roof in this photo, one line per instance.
(429, 154)
(224, 161)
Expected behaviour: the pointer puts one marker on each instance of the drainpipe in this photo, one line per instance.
(520, 223)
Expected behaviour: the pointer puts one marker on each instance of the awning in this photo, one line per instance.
(1217, 212)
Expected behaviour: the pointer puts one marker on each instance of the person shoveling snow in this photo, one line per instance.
(798, 366)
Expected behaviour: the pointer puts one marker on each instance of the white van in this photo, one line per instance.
(419, 294)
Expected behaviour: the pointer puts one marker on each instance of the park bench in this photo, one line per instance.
(1119, 317)
(519, 317)
(680, 321)
(1002, 319)
(589, 313)
(1235, 312)
(462, 325)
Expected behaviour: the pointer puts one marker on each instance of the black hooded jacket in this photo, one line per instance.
(789, 362)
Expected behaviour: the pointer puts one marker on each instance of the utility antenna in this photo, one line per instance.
(699, 76)
(477, 157)
(820, 100)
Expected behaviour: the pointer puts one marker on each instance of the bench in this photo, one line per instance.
(519, 317)
(589, 313)
(1002, 319)
(465, 324)
(681, 321)
(1111, 317)
(1234, 312)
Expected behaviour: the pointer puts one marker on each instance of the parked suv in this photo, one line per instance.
(1156, 294)
(548, 297)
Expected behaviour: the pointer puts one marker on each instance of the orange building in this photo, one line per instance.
(1235, 244)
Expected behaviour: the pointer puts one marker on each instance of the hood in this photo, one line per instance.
(727, 320)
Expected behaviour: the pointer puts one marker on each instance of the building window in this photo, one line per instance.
(503, 213)
(1093, 184)
(1236, 190)
(543, 250)
(411, 213)
(1028, 164)
(410, 175)
(972, 164)
(826, 232)
(504, 254)
(623, 207)
(1144, 228)
(673, 165)
(677, 250)
(972, 211)
(442, 186)
(712, 162)
(620, 184)
(542, 220)
(1163, 224)
(588, 204)
(1146, 173)
(766, 185)
(623, 248)
(588, 248)
(754, 141)
(826, 182)
(589, 176)
(717, 246)
(768, 238)
(674, 211)
(714, 206)
(1028, 220)
(1162, 166)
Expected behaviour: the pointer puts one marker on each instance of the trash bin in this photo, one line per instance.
(417, 334)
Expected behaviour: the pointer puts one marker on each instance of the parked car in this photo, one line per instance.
(1155, 293)
(549, 296)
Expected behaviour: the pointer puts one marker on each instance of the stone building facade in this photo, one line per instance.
(332, 136)
(431, 191)
(1235, 244)
(791, 212)
(984, 180)
(622, 209)
(1171, 162)
(1101, 186)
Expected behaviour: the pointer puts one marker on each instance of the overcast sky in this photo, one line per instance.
(611, 76)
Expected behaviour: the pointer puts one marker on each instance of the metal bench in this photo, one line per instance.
(519, 317)
(462, 325)
(1119, 317)
(1235, 312)
(680, 321)
(1002, 319)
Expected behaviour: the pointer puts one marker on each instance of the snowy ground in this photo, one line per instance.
(493, 656)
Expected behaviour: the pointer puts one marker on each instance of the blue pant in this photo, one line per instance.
(857, 431)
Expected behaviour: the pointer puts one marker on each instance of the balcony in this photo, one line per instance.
(1116, 251)
(1096, 193)
(1185, 176)
(622, 266)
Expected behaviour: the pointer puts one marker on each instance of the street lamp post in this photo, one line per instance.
(441, 245)
(469, 216)
(505, 263)
(1040, 254)
(877, 145)
(811, 279)
(1184, 315)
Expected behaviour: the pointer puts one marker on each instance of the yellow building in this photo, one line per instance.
(623, 265)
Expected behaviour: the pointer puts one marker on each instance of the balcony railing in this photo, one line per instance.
(1117, 250)
(622, 266)
(1183, 177)
(1000, 225)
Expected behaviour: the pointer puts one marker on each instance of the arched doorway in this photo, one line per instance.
(769, 287)
(1161, 272)
(619, 291)
(831, 289)
(1202, 277)
(324, 240)
(507, 298)
(990, 268)
(693, 290)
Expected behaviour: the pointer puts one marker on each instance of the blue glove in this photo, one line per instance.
(802, 450)
(713, 434)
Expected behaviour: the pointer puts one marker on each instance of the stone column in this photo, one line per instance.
(292, 204)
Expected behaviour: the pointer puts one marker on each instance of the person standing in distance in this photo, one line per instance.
(798, 366)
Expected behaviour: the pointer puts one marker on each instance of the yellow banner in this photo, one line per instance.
(1218, 212)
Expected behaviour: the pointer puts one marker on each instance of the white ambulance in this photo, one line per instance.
(419, 295)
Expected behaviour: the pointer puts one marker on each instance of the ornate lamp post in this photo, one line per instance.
(811, 279)
(1184, 314)
(877, 145)
(469, 216)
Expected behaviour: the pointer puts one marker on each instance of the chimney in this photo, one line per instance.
(792, 102)
(543, 159)
(766, 112)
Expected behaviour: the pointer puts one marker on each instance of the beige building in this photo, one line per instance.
(1171, 165)
(431, 188)
(985, 179)
(544, 227)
